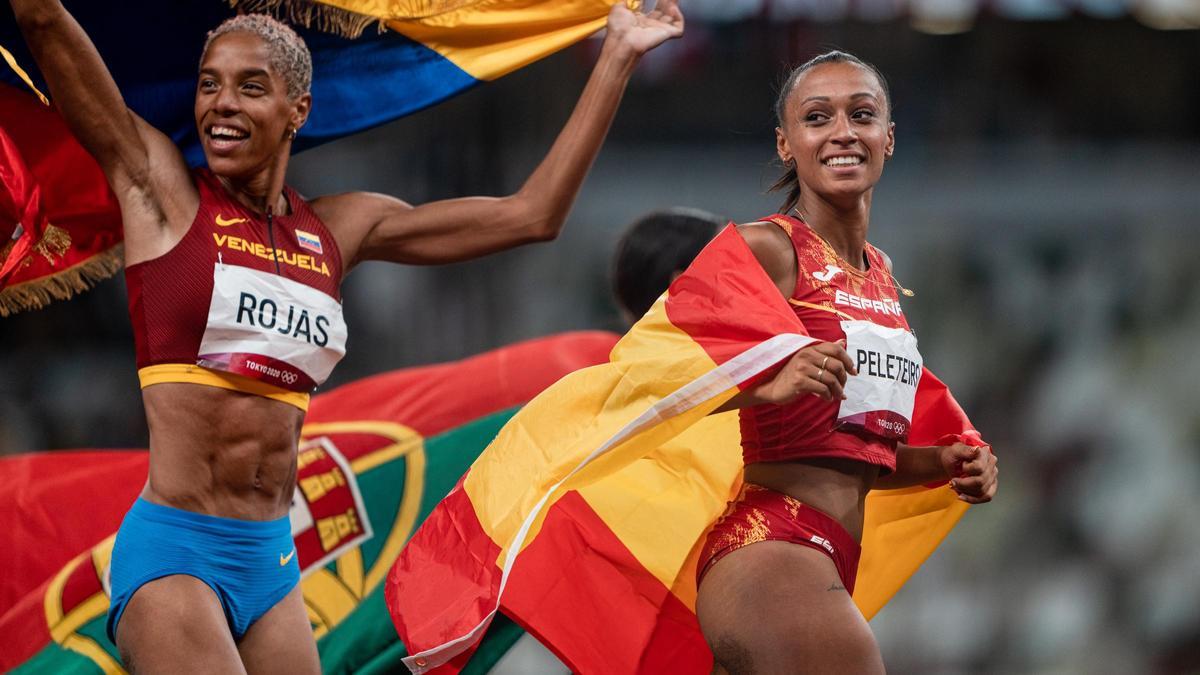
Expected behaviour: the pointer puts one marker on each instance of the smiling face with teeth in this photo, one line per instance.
(837, 129)
(242, 109)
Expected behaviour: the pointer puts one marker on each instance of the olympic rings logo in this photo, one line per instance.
(290, 378)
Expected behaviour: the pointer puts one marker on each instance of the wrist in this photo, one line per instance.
(618, 53)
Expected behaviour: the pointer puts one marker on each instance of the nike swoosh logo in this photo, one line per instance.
(285, 560)
(227, 222)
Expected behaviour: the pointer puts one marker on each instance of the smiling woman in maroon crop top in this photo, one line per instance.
(234, 297)
(777, 570)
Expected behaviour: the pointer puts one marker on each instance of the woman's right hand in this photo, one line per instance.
(819, 369)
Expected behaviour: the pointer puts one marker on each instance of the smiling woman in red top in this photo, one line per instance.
(234, 298)
(777, 570)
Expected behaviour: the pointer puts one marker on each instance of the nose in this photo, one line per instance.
(226, 102)
(843, 130)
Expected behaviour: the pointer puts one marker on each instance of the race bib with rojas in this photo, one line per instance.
(266, 327)
(880, 399)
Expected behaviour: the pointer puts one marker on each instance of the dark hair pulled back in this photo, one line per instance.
(790, 181)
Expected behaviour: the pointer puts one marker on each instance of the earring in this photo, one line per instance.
(292, 135)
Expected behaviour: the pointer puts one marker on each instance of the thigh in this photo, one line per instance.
(777, 607)
(281, 641)
(176, 625)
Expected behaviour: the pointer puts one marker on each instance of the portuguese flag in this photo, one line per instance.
(582, 521)
(375, 457)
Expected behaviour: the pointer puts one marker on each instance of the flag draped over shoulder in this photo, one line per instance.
(583, 520)
(431, 50)
(376, 456)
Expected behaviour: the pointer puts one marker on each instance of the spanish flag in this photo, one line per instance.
(583, 520)
(373, 62)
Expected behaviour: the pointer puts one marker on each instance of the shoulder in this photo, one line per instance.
(773, 249)
(355, 210)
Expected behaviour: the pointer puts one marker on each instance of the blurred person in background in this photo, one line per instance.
(777, 570)
(655, 249)
(231, 338)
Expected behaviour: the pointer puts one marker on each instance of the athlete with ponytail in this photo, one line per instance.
(777, 570)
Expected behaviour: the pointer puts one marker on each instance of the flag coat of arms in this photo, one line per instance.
(583, 519)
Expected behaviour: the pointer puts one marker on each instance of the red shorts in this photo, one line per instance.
(761, 514)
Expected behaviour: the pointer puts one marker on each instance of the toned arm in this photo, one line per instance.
(144, 169)
(376, 227)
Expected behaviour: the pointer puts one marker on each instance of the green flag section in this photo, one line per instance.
(375, 457)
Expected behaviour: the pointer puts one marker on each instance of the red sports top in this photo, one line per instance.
(828, 291)
(169, 296)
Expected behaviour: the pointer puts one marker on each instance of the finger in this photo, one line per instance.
(670, 8)
(972, 486)
(831, 384)
(976, 468)
(974, 500)
(818, 384)
(966, 453)
(838, 369)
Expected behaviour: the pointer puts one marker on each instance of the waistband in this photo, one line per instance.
(229, 527)
(192, 374)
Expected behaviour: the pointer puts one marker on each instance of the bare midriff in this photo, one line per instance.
(221, 452)
(836, 487)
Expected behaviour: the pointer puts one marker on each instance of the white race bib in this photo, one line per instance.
(266, 327)
(880, 399)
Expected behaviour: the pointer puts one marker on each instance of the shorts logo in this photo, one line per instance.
(283, 560)
(827, 274)
(822, 542)
(309, 241)
(226, 222)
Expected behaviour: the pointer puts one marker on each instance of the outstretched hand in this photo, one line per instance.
(641, 32)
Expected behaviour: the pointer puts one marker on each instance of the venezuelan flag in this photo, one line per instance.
(425, 52)
(396, 442)
(583, 520)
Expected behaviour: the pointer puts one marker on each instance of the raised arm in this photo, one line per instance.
(140, 163)
(375, 227)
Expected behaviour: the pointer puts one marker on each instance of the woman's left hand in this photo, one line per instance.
(973, 471)
(642, 32)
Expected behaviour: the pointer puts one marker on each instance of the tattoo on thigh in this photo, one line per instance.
(836, 587)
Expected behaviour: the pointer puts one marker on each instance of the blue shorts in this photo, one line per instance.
(251, 565)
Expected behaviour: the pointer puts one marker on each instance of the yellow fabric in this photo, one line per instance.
(191, 374)
(487, 38)
(12, 63)
(555, 432)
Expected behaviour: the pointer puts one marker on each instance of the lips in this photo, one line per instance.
(843, 161)
(226, 137)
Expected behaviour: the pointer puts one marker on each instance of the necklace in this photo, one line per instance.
(829, 247)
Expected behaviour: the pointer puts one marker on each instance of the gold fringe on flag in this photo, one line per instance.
(38, 293)
(335, 17)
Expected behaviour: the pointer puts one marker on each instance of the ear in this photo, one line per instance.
(781, 147)
(301, 107)
(890, 148)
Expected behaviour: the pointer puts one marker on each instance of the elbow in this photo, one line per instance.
(537, 222)
(36, 17)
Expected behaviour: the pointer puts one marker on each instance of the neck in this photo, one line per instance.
(263, 188)
(843, 227)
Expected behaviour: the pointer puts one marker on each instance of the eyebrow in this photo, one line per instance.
(248, 72)
(853, 97)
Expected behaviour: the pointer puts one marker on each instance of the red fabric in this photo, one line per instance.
(805, 427)
(762, 514)
(169, 296)
(20, 207)
(432, 399)
(725, 301)
(74, 193)
(637, 625)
